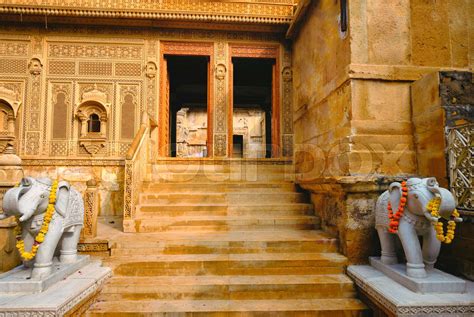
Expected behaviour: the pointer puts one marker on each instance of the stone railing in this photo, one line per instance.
(135, 172)
(460, 167)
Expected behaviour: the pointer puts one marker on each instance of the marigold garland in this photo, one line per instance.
(20, 244)
(394, 218)
(433, 208)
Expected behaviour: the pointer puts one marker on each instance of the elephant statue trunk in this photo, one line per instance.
(410, 202)
(29, 202)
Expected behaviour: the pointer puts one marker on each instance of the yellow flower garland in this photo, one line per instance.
(433, 207)
(20, 244)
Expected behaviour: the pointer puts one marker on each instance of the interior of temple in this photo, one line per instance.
(188, 77)
(252, 107)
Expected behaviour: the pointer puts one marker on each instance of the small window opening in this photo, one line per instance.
(93, 125)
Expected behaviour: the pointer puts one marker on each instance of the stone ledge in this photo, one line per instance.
(397, 300)
(436, 281)
(60, 299)
(18, 280)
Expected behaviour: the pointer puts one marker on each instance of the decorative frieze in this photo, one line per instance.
(102, 51)
(128, 69)
(262, 12)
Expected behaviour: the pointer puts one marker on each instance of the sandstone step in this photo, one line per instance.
(219, 198)
(225, 223)
(157, 211)
(222, 247)
(228, 264)
(288, 307)
(151, 187)
(182, 198)
(199, 177)
(229, 287)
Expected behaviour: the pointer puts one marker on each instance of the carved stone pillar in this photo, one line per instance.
(91, 204)
(11, 173)
(221, 100)
(9, 257)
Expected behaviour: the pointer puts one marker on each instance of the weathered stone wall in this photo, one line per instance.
(108, 175)
(322, 94)
(352, 101)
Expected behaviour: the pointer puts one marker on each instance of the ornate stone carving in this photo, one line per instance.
(14, 48)
(35, 66)
(13, 66)
(220, 145)
(190, 10)
(12, 94)
(150, 69)
(82, 50)
(61, 68)
(95, 68)
(460, 158)
(128, 69)
(220, 71)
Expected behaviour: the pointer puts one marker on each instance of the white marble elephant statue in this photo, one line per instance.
(416, 220)
(29, 201)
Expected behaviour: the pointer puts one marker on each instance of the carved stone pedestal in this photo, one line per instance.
(389, 298)
(69, 291)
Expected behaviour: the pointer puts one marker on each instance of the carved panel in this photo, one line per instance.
(128, 69)
(12, 48)
(187, 48)
(220, 145)
(102, 51)
(32, 146)
(129, 109)
(13, 66)
(287, 145)
(61, 68)
(61, 109)
(95, 68)
(460, 159)
(220, 87)
(255, 51)
(58, 148)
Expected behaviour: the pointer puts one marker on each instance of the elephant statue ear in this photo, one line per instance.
(395, 191)
(26, 182)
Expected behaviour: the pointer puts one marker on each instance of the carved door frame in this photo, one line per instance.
(257, 51)
(183, 49)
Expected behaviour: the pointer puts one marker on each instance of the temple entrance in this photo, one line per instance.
(252, 106)
(254, 113)
(185, 115)
(188, 105)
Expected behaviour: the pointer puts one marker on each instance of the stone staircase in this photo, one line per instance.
(210, 244)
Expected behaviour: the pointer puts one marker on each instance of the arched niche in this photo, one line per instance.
(8, 115)
(93, 116)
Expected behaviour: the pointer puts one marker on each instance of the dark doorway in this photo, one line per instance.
(188, 87)
(252, 104)
(238, 146)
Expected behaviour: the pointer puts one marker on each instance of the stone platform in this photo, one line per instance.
(436, 281)
(395, 300)
(74, 292)
(18, 280)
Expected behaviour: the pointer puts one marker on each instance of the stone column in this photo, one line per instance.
(91, 207)
(11, 173)
(9, 257)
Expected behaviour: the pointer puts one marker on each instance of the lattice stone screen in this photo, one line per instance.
(461, 164)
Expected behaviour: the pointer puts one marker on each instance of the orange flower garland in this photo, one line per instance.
(394, 218)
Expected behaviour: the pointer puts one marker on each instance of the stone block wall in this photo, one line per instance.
(356, 119)
(109, 176)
